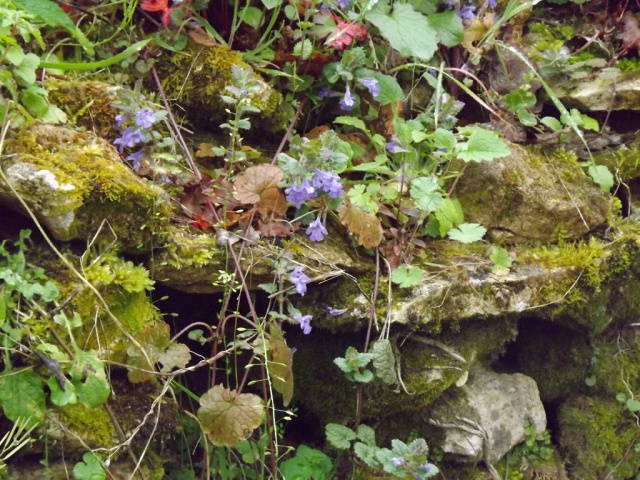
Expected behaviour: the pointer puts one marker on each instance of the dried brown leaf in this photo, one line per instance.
(365, 226)
(254, 181)
(280, 364)
(272, 201)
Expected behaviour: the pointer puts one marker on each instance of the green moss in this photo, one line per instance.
(96, 186)
(197, 77)
(624, 160)
(93, 426)
(597, 435)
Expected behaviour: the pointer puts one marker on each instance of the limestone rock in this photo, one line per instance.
(531, 197)
(74, 181)
(486, 417)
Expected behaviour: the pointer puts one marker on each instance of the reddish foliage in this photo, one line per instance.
(158, 6)
(345, 34)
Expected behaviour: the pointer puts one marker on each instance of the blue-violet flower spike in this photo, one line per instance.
(327, 182)
(145, 118)
(304, 321)
(298, 194)
(120, 119)
(299, 279)
(372, 85)
(467, 12)
(130, 138)
(134, 158)
(316, 230)
(347, 101)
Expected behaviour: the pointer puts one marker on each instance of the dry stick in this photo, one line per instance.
(236, 260)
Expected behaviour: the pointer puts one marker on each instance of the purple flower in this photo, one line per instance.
(316, 230)
(145, 118)
(343, 4)
(371, 84)
(336, 312)
(299, 279)
(397, 461)
(467, 12)
(493, 3)
(327, 182)
(298, 194)
(134, 158)
(130, 138)
(347, 101)
(326, 92)
(304, 321)
(394, 147)
(120, 119)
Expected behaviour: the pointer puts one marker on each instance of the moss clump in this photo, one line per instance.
(87, 184)
(198, 76)
(597, 435)
(625, 161)
(87, 104)
(93, 426)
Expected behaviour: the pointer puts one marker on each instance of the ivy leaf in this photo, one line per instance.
(367, 435)
(448, 26)
(467, 233)
(384, 361)
(407, 276)
(90, 468)
(177, 355)
(482, 146)
(21, 396)
(424, 191)
(365, 226)
(602, 176)
(502, 261)
(254, 181)
(405, 29)
(339, 436)
(280, 364)
(227, 417)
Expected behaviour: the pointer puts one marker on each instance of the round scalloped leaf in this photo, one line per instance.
(228, 417)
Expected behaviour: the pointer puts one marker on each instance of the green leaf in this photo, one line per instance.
(252, 16)
(467, 233)
(60, 397)
(633, 404)
(62, 320)
(367, 453)
(26, 71)
(526, 118)
(339, 436)
(502, 261)
(448, 27)
(308, 464)
(519, 98)
(407, 276)
(483, 145)
(303, 49)
(602, 176)
(352, 121)
(424, 191)
(449, 214)
(551, 122)
(14, 55)
(384, 361)
(50, 292)
(268, 287)
(90, 468)
(364, 376)
(136, 47)
(93, 392)
(405, 29)
(271, 4)
(390, 89)
(366, 434)
(444, 139)
(22, 396)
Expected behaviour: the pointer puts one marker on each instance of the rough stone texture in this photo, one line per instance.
(191, 260)
(531, 197)
(74, 181)
(609, 90)
(487, 416)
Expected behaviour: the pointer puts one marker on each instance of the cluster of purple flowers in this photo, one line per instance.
(134, 135)
(300, 280)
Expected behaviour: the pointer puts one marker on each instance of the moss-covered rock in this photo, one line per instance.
(530, 196)
(76, 183)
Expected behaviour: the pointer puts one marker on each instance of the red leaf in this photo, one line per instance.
(158, 6)
(345, 34)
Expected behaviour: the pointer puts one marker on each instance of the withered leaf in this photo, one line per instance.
(228, 417)
(177, 355)
(280, 364)
(274, 228)
(271, 201)
(254, 181)
(200, 36)
(365, 226)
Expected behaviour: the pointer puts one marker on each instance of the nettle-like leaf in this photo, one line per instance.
(482, 146)
(339, 436)
(449, 214)
(467, 233)
(251, 184)
(448, 26)
(22, 396)
(405, 29)
(384, 361)
(365, 226)
(280, 364)
(443, 139)
(407, 276)
(367, 453)
(228, 417)
(425, 192)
